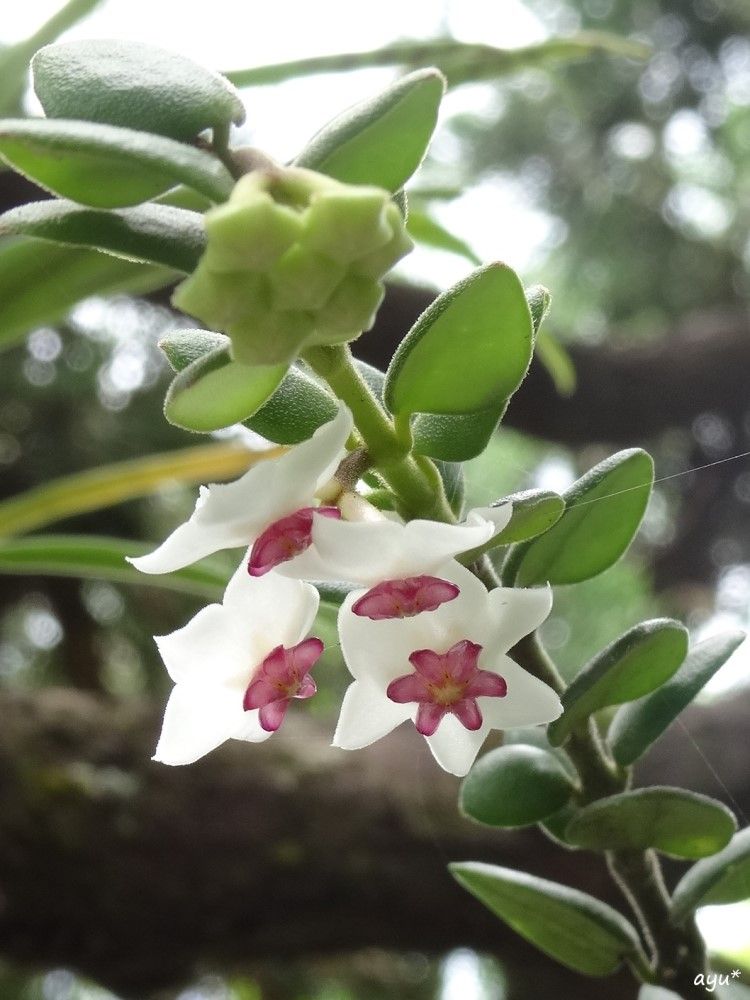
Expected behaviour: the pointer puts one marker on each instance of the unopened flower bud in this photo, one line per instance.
(294, 258)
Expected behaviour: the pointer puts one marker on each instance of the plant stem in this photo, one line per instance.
(416, 482)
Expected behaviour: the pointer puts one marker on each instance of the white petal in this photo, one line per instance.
(211, 649)
(228, 515)
(513, 613)
(197, 720)
(277, 610)
(366, 716)
(454, 747)
(529, 701)
(190, 542)
(250, 729)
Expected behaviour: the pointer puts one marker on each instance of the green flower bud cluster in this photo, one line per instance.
(293, 259)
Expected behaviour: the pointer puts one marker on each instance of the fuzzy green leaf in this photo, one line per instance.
(106, 166)
(637, 725)
(133, 85)
(568, 925)
(431, 233)
(633, 665)
(156, 234)
(672, 820)
(515, 786)
(603, 510)
(292, 413)
(723, 878)
(214, 392)
(382, 140)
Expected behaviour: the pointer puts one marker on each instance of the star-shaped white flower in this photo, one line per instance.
(445, 669)
(237, 514)
(378, 548)
(236, 665)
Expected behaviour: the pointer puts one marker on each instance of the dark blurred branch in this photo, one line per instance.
(138, 874)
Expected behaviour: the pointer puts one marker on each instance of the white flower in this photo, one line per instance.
(367, 552)
(237, 514)
(445, 669)
(236, 665)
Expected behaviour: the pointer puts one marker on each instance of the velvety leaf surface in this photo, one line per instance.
(156, 234)
(568, 925)
(636, 663)
(723, 878)
(671, 820)
(603, 510)
(515, 786)
(637, 725)
(106, 166)
(134, 85)
(382, 140)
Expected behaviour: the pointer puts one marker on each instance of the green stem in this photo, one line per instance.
(415, 481)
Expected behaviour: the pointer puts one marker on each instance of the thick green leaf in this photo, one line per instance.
(603, 510)
(637, 725)
(297, 407)
(534, 512)
(382, 140)
(104, 559)
(515, 786)
(454, 484)
(41, 282)
(461, 62)
(430, 233)
(105, 166)
(127, 83)
(723, 878)
(568, 925)
(102, 487)
(455, 437)
(637, 663)
(295, 410)
(214, 392)
(467, 352)
(156, 234)
(672, 820)
(539, 299)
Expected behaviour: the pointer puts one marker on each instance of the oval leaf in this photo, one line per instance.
(570, 926)
(382, 140)
(674, 821)
(515, 786)
(105, 166)
(724, 878)
(292, 413)
(638, 662)
(130, 84)
(215, 392)
(637, 725)
(468, 352)
(603, 510)
(40, 283)
(156, 234)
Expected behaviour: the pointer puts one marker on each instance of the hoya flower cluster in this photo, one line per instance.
(422, 637)
(294, 259)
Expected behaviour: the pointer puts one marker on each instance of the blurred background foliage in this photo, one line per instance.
(623, 184)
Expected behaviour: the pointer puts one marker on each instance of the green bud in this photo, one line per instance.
(303, 279)
(293, 258)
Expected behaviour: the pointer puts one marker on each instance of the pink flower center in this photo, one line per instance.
(404, 598)
(447, 683)
(284, 674)
(285, 539)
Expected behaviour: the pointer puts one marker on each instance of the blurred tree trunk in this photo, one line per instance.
(139, 874)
